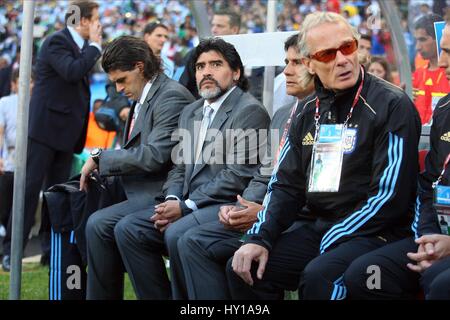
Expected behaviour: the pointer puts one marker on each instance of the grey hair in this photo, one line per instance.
(311, 21)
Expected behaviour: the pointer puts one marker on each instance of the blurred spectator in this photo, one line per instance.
(96, 137)
(8, 118)
(409, 40)
(5, 80)
(429, 82)
(225, 22)
(364, 49)
(353, 18)
(379, 66)
(156, 35)
(384, 37)
(8, 115)
(333, 6)
(377, 44)
(307, 7)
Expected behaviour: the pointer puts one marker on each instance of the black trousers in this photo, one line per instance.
(295, 262)
(43, 164)
(142, 248)
(6, 196)
(204, 252)
(435, 280)
(397, 280)
(105, 267)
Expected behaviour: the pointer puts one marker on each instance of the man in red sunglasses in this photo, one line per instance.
(348, 166)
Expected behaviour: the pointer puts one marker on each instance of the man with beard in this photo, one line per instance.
(204, 250)
(224, 22)
(214, 131)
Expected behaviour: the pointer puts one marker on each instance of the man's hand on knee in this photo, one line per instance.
(243, 258)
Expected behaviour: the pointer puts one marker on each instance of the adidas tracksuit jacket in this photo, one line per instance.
(378, 179)
(398, 282)
(426, 221)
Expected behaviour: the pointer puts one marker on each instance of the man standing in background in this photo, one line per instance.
(429, 82)
(59, 109)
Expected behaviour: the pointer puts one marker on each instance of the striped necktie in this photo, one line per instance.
(206, 121)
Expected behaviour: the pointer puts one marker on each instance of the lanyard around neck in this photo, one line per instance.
(349, 115)
(444, 167)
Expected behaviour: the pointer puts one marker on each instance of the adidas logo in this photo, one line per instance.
(308, 140)
(446, 137)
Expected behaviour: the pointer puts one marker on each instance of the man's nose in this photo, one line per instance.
(418, 45)
(119, 87)
(443, 58)
(207, 70)
(287, 70)
(340, 58)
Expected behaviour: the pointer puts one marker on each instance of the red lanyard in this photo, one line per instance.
(349, 115)
(285, 132)
(444, 167)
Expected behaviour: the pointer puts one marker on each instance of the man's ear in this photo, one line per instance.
(236, 75)
(84, 22)
(140, 66)
(307, 63)
(146, 36)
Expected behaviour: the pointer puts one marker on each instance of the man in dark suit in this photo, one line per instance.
(59, 108)
(213, 131)
(142, 164)
(204, 250)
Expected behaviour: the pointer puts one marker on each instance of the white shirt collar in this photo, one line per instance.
(216, 104)
(145, 91)
(76, 37)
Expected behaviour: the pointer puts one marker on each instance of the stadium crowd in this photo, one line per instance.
(190, 174)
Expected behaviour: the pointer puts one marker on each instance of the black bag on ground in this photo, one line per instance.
(68, 209)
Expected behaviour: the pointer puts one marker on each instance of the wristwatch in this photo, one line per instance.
(95, 155)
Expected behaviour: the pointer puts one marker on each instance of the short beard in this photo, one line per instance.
(211, 94)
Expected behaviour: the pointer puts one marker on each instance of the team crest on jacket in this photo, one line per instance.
(308, 140)
(446, 137)
(349, 140)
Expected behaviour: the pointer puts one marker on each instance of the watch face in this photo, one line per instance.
(95, 152)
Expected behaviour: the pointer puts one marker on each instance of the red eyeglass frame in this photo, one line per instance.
(328, 55)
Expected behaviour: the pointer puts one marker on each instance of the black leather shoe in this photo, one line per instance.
(6, 263)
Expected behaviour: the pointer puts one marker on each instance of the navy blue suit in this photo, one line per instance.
(59, 113)
(59, 107)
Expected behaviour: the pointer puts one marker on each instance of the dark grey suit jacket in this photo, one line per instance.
(145, 158)
(257, 188)
(209, 184)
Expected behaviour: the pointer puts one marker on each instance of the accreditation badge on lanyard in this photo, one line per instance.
(328, 150)
(441, 201)
(327, 154)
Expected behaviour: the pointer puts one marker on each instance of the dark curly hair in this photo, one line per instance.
(228, 51)
(124, 52)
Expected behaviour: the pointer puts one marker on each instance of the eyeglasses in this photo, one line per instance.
(328, 55)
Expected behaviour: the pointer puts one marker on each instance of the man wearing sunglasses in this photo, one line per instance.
(365, 132)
